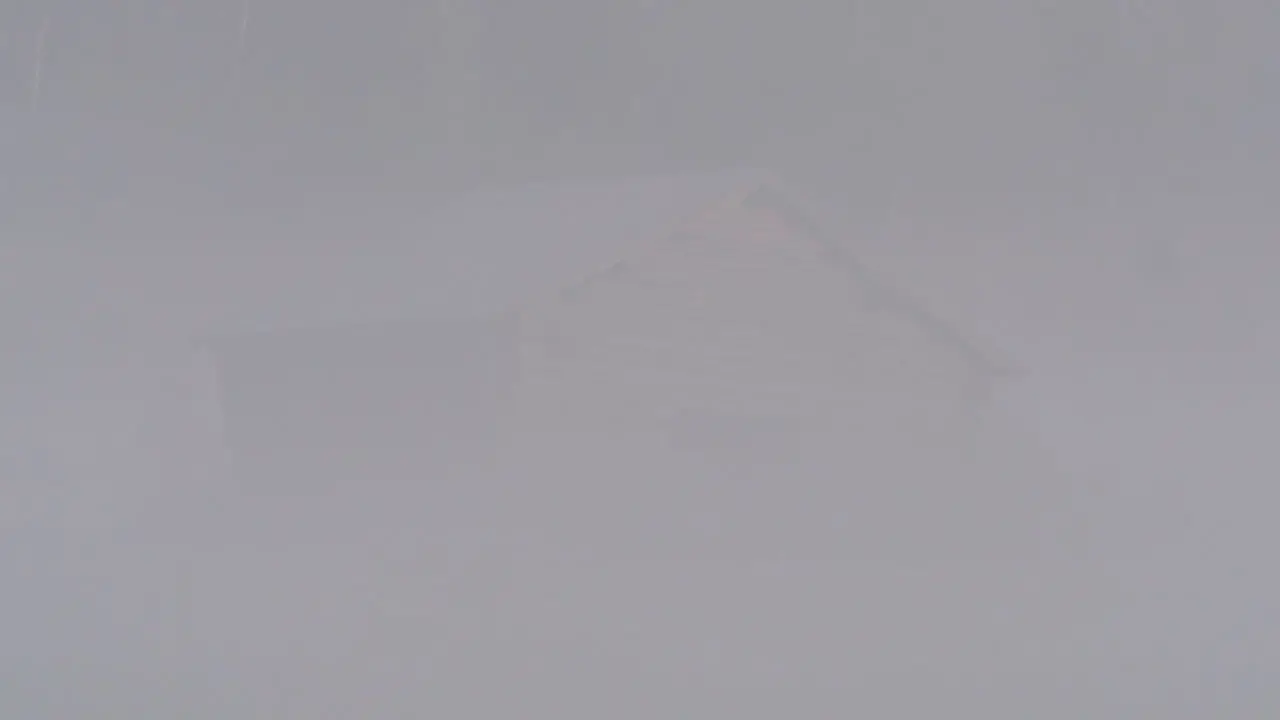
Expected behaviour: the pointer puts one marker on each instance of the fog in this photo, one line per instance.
(387, 359)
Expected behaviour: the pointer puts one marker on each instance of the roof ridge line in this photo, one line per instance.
(769, 188)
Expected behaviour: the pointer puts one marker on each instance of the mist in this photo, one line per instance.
(568, 359)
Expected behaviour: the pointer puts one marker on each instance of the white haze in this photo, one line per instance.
(1083, 187)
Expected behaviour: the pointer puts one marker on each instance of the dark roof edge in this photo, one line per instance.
(827, 231)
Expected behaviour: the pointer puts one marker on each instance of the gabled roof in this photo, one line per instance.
(209, 271)
(836, 240)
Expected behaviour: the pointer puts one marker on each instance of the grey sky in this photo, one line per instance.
(898, 98)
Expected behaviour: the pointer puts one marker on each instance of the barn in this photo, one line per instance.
(671, 438)
(709, 310)
(718, 316)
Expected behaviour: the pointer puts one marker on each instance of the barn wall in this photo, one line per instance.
(363, 410)
(730, 358)
(737, 317)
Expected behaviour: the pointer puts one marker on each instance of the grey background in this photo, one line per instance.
(1104, 142)
(908, 103)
